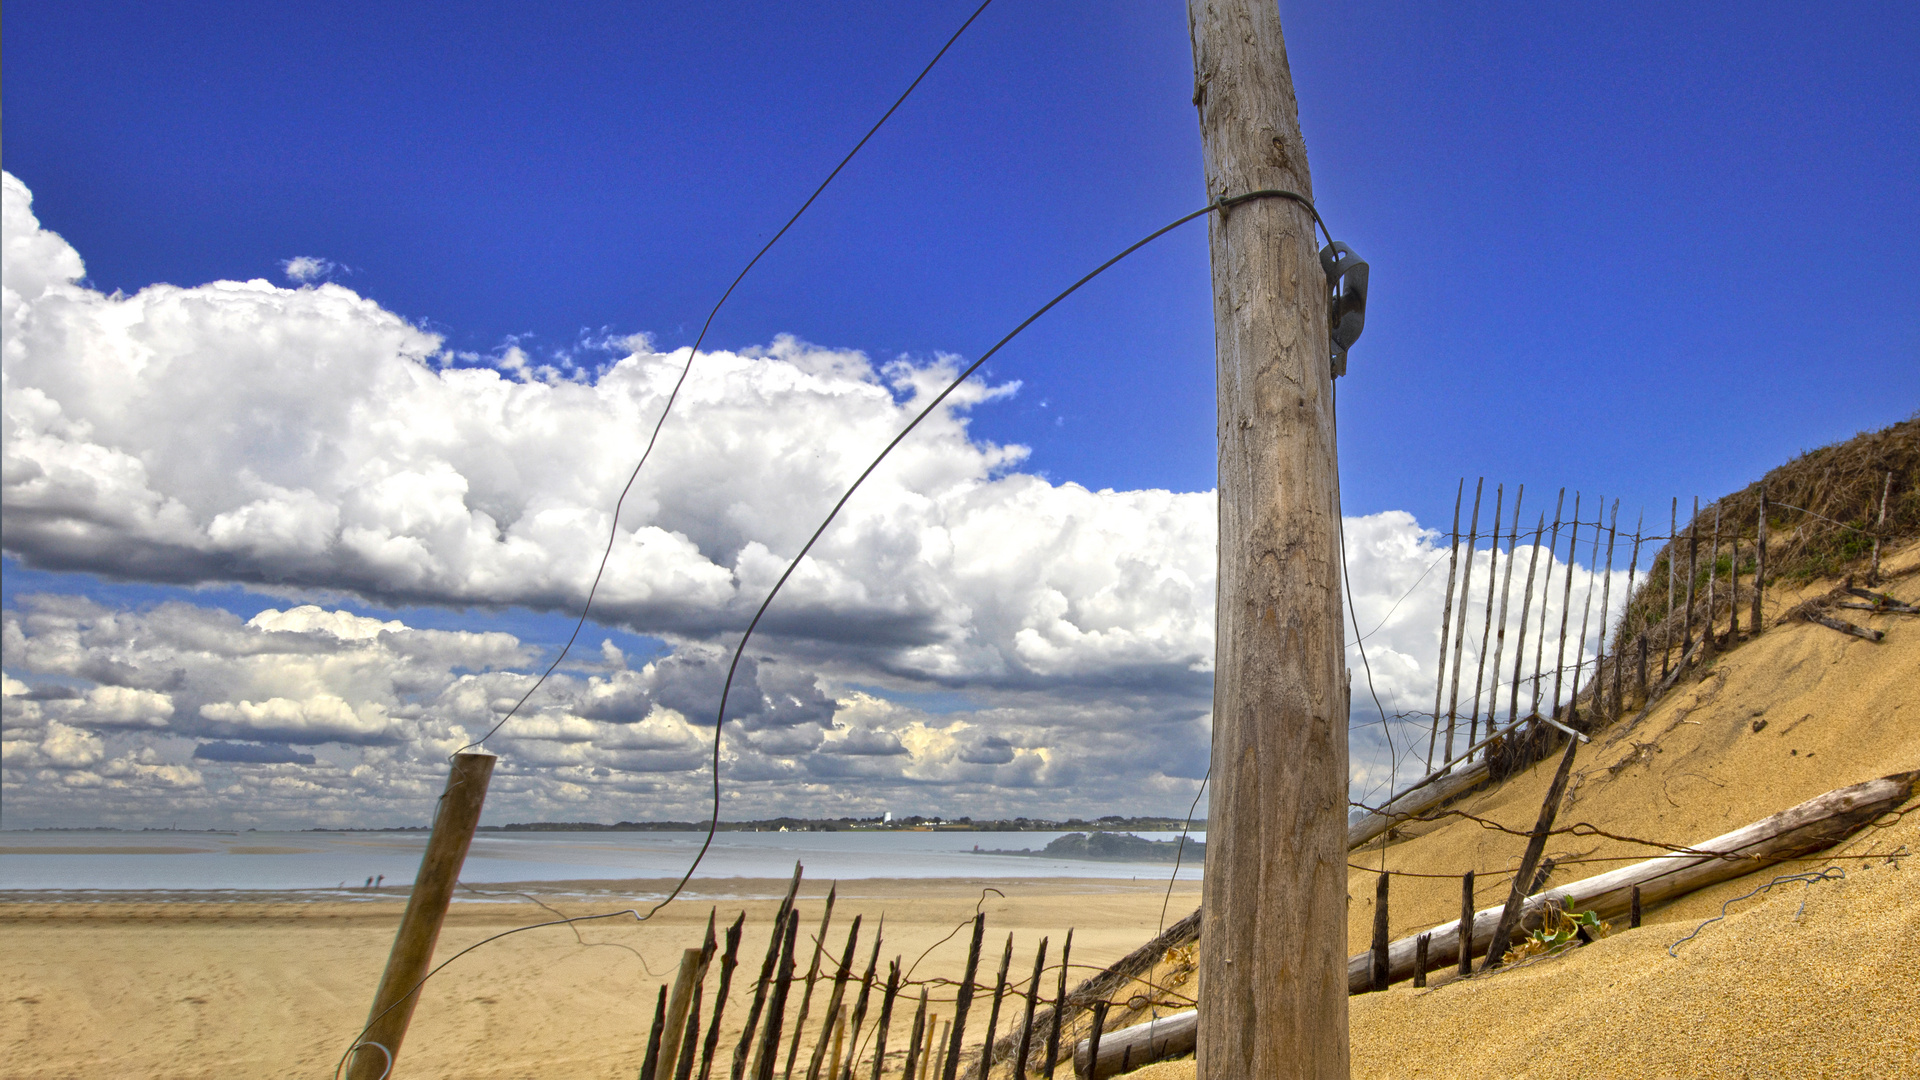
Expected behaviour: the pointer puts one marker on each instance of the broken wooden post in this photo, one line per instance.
(1446, 624)
(1093, 1040)
(1380, 937)
(1060, 1005)
(1633, 912)
(1606, 589)
(745, 1047)
(1536, 842)
(729, 959)
(813, 975)
(690, 1042)
(834, 999)
(860, 1004)
(918, 1034)
(692, 965)
(1033, 998)
(768, 1055)
(1466, 924)
(963, 1000)
(1713, 571)
(650, 1065)
(377, 1049)
(993, 1012)
(1420, 963)
(1633, 575)
(1673, 541)
(886, 1018)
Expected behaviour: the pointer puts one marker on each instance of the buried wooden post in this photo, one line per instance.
(377, 1049)
(1536, 843)
(1466, 923)
(1633, 912)
(1271, 950)
(1420, 961)
(1093, 1039)
(1380, 937)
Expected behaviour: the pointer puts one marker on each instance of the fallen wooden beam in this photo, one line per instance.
(1880, 601)
(1842, 625)
(1812, 826)
(1417, 800)
(1156, 1040)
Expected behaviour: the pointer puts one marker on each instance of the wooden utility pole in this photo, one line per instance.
(1273, 990)
(408, 963)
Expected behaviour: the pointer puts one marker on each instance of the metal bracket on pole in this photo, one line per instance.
(1346, 300)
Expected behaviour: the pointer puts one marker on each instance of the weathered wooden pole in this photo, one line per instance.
(860, 1005)
(1466, 921)
(1446, 622)
(728, 961)
(1500, 636)
(1566, 606)
(1460, 628)
(1526, 608)
(993, 1014)
(1546, 600)
(1759, 561)
(1486, 629)
(1272, 963)
(886, 1019)
(1673, 550)
(1059, 1006)
(1693, 572)
(1380, 934)
(454, 821)
(1879, 528)
(813, 975)
(1026, 1027)
(1420, 961)
(963, 1001)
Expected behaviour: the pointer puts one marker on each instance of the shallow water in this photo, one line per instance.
(169, 860)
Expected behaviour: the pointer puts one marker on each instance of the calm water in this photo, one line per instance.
(70, 861)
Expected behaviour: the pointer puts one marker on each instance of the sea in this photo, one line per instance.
(54, 863)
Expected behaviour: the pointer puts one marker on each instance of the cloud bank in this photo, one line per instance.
(308, 443)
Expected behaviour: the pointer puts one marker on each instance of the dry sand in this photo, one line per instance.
(277, 989)
(181, 989)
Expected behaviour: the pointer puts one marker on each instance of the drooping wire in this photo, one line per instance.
(1386, 726)
(613, 530)
(727, 687)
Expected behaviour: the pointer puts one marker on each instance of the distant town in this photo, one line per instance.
(887, 822)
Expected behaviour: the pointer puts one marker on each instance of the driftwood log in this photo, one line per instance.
(1156, 1040)
(1812, 826)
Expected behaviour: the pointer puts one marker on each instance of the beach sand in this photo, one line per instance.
(278, 989)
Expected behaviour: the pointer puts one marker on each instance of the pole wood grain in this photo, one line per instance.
(1270, 975)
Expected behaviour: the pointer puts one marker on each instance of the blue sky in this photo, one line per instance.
(1636, 248)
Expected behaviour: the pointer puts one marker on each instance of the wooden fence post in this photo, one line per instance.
(729, 959)
(1460, 630)
(886, 1019)
(1506, 591)
(1760, 561)
(650, 1065)
(1466, 923)
(860, 1004)
(1059, 1006)
(1526, 612)
(1693, 572)
(1033, 999)
(1380, 937)
(767, 1057)
(1093, 1041)
(919, 1034)
(454, 820)
(1566, 606)
(993, 1013)
(813, 975)
(1420, 961)
(691, 964)
(963, 1000)
(1537, 842)
(1546, 601)
(1880, 526)
(1633, 912)
(1446, 625)
(1486, 630)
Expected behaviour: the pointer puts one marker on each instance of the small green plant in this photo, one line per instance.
(1561, 930)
